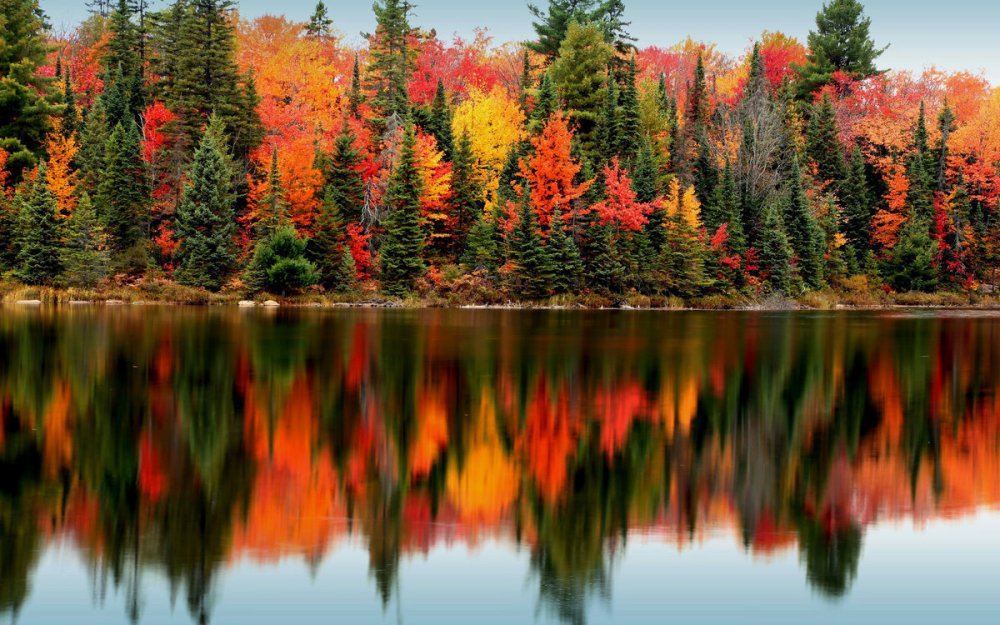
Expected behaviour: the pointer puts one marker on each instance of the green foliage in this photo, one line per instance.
(440, 121)
(466, 190)
(577, 75)
(122, 200)
(320, 25)
(563, 256)
(39, 233)
(841, 42)
(481, 250)
(804, 234)
(545, 104)
(93, 143)
(823, 143)
(279, 264)
(392, 60)
(910, 263)
(630, 138)
(775, 252)
(328, 243)
(404, 233)
(206, 221)
(84, 259)
(532, 266)
(856, 204)
(602, 266)
(609, 124)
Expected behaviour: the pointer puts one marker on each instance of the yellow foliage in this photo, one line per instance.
(495, 124)
(62, 177)
(684, 203)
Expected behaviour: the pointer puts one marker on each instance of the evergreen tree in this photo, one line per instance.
(8, 231)
(344, 183)
(946, 126)
(525, 83)
(857, 206)
(920, 196)
(725, 209)
(910, 263)
(84, 259)
(840, 43)
(206, 221)
(93, 142)
(320, 25)
(577, 75)
(70, 114)
(553, 25)
(545, 104)
(392, 57)
(630, 137)
(803, 232)
(603, 269)
(467, 194)
(327, 244)
(39, 233)
(279, 264)
(644, 180)
(121, 54)
(404, 235)
(609, 127)
(564, 256)
(533, 268)
(775, 252)
(440, 121)
(823, 144)
(123, 194)
(345, 280)
(28, 98)
(272, 207)
(706, 175)
(481, 251)
(355, 97)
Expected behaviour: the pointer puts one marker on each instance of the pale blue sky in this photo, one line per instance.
(951, 34)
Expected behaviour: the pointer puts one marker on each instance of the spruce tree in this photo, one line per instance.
(841, 43)
(725, 209)
(564, 257)
(533, 268)
(327, 244)
(206, 221)
(609, 127)
(545, 104)
(706, 175)
(823, 143)
(39, 233)
(392, 57)
(345, 279)
(404, 235)
(440, 121)
(578, 77)
(553, 24)
(356, 96)
(320, 25)
(910, 264)
(481, 250)
(93, 143)
(123, 195)
(84, 258)
(857, 206)
(630, 138)
(467, 195)
(946, 126)
(29, 97)
(343, 181)
(803, 232)
(775, 253)
(272, 207)
(602, 267)
(645, 177)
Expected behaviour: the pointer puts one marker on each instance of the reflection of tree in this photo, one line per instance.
(831, 555)
(20, 476)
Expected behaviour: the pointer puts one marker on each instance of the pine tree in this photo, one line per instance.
(122, 200)
(279, 264)
(725, 209)
(803, 232)
(39, 233)
(706, 175)
(577, 76)
(644, 180)
(320, 25)
(910, 263)
(533, 268)
(603, 269)
(857, 206)
(355, 97)
(206, 221)
(404, 235)
(564, 257)
(345, 279)
(525, 83)
(440, 121)
(272, 207)
(823, 143)
(629, 140)
(344, 183)
(84, 258)
(840, 43)
(71, 114)
(553, 25)
(327, 244)
(545, 104)
(392, 57)
(946, 126)
(775, 252)
(29, 97)
(481, 250)
(609, 126)
(467, 195)
(93, 143)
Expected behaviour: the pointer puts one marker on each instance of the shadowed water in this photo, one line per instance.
(163, 465)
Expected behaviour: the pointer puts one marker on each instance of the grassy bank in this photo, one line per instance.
(162, 291)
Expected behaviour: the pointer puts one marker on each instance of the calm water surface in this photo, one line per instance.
(163, 465)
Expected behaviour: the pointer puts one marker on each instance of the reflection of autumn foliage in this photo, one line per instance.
(412, 429)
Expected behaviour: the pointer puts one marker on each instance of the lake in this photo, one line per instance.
(171, 465)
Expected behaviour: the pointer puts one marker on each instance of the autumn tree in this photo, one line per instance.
(841, 43)
(621, 209)
(494, 125)
(39, 232)
(206, 221)
(551, 171)
(404, 236)
(62, 175)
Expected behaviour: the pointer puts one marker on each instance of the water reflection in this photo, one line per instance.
(179, 441)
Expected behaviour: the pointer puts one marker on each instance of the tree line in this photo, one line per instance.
(585, 172)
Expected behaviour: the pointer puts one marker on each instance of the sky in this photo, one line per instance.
(949, 34)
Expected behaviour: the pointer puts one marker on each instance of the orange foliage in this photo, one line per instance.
(62, 176)
(551, 169)
(889, 220)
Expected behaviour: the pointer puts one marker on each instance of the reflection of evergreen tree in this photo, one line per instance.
(20, 477)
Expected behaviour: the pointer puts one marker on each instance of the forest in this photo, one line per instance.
(187, 150)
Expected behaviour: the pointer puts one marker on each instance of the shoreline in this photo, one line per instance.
(170, 294)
